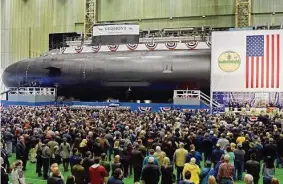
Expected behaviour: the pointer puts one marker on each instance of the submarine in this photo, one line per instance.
(124, 75)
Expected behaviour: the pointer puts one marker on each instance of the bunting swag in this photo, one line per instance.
(208, 43)
(113, 48)
(144, 109)
(95, 48)
(165, 109)
(151, 46)
(132, 47)
(79, 49)
(252, 119)
(171, 45)
(192, 44)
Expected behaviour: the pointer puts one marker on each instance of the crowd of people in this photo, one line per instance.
(100, 146)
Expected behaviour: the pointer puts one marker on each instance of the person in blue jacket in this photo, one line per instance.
(194, 154)
(150, 154)
(206, 172)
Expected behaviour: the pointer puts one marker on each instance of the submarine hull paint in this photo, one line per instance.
(147, 69)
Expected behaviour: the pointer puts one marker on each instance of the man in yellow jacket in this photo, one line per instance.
(180, 160)
(194, 169)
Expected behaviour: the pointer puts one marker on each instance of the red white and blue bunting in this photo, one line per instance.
(132, 46)
(165, 109)
(208, 43)
(113, 48)
(171, 45)
(151, 46)
(192, 44)
(252, 119)
(95, 48)
(144, 109)
(79, 49)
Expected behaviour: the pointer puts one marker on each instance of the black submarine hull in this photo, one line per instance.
(107, 72)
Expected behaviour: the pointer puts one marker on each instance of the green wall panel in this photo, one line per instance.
(39, 18)
(264, 6)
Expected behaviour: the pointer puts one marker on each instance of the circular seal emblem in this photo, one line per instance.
(229, 61)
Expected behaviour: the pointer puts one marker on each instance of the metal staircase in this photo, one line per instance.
(207, 101)
(194, 97)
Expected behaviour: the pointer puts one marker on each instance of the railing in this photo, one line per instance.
(32, 91)
(186, 94)
(207, 100)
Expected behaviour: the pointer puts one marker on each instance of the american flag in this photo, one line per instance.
(263, 61)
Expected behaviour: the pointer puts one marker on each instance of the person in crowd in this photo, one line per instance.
(279, 161)
(137, 161)
(97, 172)
(187, 178)
(211, 180)
(194, 170)
(117, 177)
(239, 161)
(6, 162)
(150, 154)
(274, 181)
(116, 164)
(159, 155)
(56, 177)
(105, 163)
(216, 155)
(167, 172)
(226, 172)
(52, 168)
(223, 142)
(17, 175)
(207, 145)
(20, 151)
(241, 138)
(45, 156)
(70, 180)
(253, 168)
(78, 173)
(249, 179)
(75, 158)
(194, 154)
(231, 154)
(4, 174)
(8, 139)
(180, 160)
(65, 152)
(83, 147)
(150, 172)
(269, 150)
(206, 172)
(86, 163)
(268, 170)
(38, 150)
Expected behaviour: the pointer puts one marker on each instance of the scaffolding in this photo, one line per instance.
(90, 17)
(242, 13)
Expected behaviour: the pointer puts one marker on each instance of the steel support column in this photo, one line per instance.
(90, 17)
(242, 13)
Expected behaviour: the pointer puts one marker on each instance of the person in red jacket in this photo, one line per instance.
(97, 173)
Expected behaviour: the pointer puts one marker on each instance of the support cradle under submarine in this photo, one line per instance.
(151, 75)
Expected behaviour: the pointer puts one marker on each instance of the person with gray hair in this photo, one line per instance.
(226, 172)
(249, 179)
(150, 172)
(239, 161)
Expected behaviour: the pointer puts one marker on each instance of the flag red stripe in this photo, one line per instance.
(267, 61)
(247, 72)
(278, 61)
(262, 72)
(272, 61)
(257, 71)
(252, 72)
